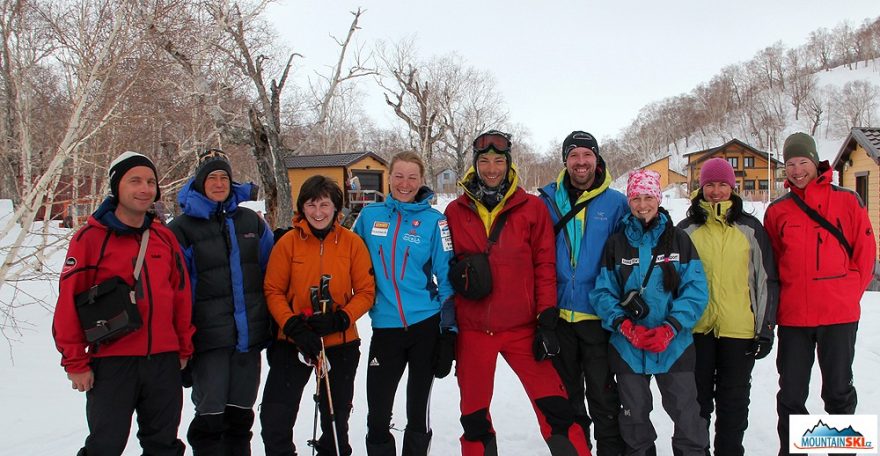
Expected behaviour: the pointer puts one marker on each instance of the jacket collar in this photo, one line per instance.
(196, 204)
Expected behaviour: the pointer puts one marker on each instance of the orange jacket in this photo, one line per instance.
(297, 263)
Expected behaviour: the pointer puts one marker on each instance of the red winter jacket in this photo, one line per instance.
(163, 294)
(819, 284)
(523, 261)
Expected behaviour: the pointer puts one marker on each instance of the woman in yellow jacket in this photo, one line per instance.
(737, 326)
(316, 247)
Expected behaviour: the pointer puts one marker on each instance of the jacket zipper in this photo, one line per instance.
(393, 278)
(818, 242)
(403, 267)
(384, 266)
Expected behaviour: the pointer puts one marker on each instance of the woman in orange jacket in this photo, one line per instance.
(312, 318)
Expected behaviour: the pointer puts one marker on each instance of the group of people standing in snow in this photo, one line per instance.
(586, 292)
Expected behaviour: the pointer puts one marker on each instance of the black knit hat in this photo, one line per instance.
(122, 164)
(209, 161)
(577, 139)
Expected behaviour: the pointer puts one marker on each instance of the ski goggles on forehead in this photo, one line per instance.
(212, 153)
(497, 141)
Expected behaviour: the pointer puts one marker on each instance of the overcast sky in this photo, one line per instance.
(567, 65)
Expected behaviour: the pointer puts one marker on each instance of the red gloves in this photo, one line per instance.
(635, 334)
(657, 339)
(654, 340)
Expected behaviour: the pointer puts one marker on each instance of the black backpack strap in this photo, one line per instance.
(496, 230)
(824, 223)
(569, 215)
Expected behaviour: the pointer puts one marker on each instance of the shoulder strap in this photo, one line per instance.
(141, 253)
(569, 215)
(824, 223)
(648, 275)
(496, 230)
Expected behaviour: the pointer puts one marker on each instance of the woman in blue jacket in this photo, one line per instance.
(654, 260)
(413, 317)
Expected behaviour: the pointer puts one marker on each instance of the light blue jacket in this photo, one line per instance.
(624, 267)
(411, 248)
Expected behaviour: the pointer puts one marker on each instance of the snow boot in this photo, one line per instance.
(416, 443)
(387, 448)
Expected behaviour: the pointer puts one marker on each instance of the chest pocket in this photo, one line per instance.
(832, 261)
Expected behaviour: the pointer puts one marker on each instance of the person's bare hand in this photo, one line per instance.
(82, 381)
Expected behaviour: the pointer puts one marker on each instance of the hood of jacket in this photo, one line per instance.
(196, 204)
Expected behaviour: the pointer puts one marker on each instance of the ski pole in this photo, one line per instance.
(325, 300)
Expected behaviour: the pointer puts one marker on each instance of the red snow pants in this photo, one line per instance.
(476, 356)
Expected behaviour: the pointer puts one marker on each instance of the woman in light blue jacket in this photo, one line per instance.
(651, 333)
(413, 317)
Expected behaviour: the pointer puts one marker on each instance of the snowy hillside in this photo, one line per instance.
(42, 416)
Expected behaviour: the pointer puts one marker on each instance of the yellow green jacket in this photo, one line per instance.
(740, 270)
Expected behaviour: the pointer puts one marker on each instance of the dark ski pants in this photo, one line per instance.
(149, 386)
(723, 372)
(391, 351)
(835, 345)
(287, 379)
(690, 436)
(225, 385)
(583, 366)
(476, 357)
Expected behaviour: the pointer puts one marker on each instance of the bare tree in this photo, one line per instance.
(857, 105)
(92, 41)
(801, 80)
(820, 45)
(471, 105)
(414, 91)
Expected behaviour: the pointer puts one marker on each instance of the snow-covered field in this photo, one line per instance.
(41, 415)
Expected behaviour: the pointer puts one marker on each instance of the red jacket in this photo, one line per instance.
(819, 283)
(523, 261)
(163, 294)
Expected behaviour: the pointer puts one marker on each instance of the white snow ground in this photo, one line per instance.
(41, 415)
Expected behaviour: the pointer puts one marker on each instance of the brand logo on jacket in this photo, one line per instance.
(833, 434)
(413, 237)
(629, 261)
(600, 216)
(416, 223)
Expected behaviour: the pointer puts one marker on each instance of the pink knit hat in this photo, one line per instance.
(717, 170)
(643, 182)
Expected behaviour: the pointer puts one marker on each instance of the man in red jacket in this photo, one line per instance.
(517, 318)
(139, 371)
(823, 273)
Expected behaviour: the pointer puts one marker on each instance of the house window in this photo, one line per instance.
(749, 185)
(762, 184)
(748, 162)
(734, 161)
(862, 186)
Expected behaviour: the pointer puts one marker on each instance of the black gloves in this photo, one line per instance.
(444, 353)
(546, 343)
(761, 347)
(305, 339)
(186, 375)
(329, 322)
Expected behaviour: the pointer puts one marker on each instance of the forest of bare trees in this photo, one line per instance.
(83, 81)
(755, 100)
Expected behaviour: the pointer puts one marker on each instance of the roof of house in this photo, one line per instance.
(329, 160)
(867, 137)
(711, 151)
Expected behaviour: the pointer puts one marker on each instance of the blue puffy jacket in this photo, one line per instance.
(624, 267)
(410, 247)
(580, 242)
(226, 248)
